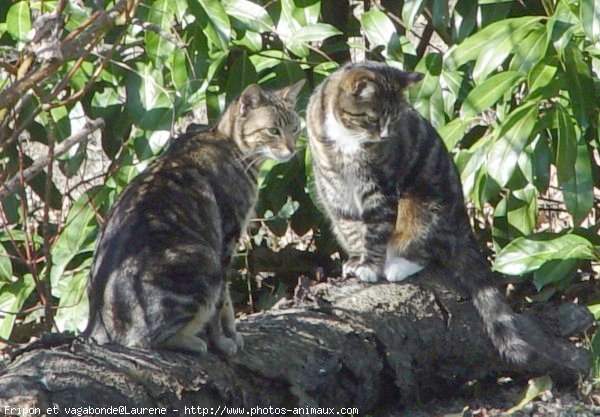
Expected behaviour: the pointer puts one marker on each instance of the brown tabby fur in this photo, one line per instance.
(158, 277)
(393, 194)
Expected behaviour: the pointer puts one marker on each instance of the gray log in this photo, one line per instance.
(345, 345)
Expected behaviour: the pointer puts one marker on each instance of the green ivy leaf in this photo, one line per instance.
(253, 16)
(578, 190)
(440, 15)
(380, 31)
(315, 32)
(432, 108)
(541, 75)
(541, 158)
(75, 237)
(410, 11)
(493, 37)
(215, 23)
(6, 270)
(431, 67)
(162, 15)
(489, 92)
(579, 84)
(566, 150)
(589, 12)
(453, 132)
(498, 49)
(464, 19)
(305, 12)
(18, 21)
(562, 25)
(12, 298)
(177, 65)
(72, 311)
(524, 255)
(530, 51)
(537, 386)
(512, 137)
(554, 272)
(450, 82)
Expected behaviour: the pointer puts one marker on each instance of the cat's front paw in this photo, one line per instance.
(364, 271)
(239, 340)
(226, 346)
(397, 268)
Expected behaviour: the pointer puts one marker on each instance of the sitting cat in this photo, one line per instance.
(159, 273)
(393, 194)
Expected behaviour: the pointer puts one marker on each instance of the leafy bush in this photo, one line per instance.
(512, 87)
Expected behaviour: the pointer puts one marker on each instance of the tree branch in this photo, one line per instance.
(12, 185)
(346, 344)
(71, 48)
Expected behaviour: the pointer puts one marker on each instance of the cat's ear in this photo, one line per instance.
(250, 98)
(406, 78)
(290, 93)
(361, 84)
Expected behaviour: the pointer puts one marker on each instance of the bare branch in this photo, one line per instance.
(12, 185)
(71, 48)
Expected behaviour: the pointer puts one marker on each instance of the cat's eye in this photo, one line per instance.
(274, 131)
(372, 119)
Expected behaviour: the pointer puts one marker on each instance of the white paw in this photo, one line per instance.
(366, 273)
(348, 269)
(397, 269)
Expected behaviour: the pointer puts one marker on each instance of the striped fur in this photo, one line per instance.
(158, 277)
(393, 193)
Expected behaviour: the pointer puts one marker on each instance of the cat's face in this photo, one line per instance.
(269, 125)
(369, 98)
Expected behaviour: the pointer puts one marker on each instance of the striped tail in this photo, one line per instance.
(501, 323)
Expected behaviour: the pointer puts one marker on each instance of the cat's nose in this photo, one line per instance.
(286, 153)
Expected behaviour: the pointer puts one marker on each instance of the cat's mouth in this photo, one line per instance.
(280, 155)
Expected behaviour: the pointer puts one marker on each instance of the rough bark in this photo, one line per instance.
(344, 345)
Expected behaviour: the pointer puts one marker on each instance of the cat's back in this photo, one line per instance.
(169, 222)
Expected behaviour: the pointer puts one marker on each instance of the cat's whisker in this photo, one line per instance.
(254, 161)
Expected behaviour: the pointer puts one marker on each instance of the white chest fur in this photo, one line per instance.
(347, 141)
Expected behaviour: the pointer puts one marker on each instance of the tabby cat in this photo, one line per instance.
(158, 276)
(393, 193)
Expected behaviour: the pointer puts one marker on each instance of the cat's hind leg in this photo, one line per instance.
(228, 320)
(187, 338)
(221, 328)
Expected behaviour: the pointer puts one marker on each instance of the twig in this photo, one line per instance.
(15, 134)
(401, 23)
(158, 30)
(20, 179)
(13, 184)
(442, 34)
(46, 285)
(92, 79)
(425, 40)
(70, 49)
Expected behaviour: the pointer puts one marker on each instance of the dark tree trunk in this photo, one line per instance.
(344, 344)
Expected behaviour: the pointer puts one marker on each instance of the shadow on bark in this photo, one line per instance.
(341, 344)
